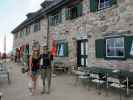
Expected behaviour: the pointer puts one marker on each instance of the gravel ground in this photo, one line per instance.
(63, 88)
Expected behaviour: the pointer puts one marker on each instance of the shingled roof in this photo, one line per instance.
(32, 17)
(46, 3)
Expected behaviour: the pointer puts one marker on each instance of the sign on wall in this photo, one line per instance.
(80, 36)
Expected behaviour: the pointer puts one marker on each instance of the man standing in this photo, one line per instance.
(46, 59)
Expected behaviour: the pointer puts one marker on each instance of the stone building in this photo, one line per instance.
(89, 32)
(34, 28)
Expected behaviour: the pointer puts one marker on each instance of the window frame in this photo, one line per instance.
(37, 26)
(73, 15)
(95, 5)
(57, 46)
(123, 47)
(28, 29)
(105, 4)
(55, 18)
(76, 14)
(16, 35)
(22, 33)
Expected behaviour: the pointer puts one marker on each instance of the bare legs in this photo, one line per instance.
(34, 79)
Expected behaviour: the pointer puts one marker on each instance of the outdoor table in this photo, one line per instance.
(95, 73)
(115, 73)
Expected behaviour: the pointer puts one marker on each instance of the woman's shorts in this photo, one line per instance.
(36, 73)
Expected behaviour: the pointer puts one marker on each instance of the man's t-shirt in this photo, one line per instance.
(46, 60)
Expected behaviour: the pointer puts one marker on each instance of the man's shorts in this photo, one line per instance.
(45, 73)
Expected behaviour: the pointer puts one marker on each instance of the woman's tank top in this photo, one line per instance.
(35, 64)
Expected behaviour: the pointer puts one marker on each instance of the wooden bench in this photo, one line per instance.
(60, 66)
(4, 72)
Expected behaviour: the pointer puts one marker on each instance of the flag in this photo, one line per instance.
(53, 50)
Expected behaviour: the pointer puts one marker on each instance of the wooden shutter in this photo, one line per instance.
(24, 34)
(50, 20)
(60, 16)
(93, 5)
(66, 49)
(79, 9)
(20, 34)
(67, 13)
(100, 48)
(128, 45)
(114, 2)
(58, 49)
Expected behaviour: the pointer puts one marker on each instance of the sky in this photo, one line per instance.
(12, 13)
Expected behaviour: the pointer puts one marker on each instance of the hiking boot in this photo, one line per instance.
(43, 92)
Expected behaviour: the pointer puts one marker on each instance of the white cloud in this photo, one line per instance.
(34, 4)
(13, 15)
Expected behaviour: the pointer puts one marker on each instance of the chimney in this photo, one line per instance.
(46, 3)
(29, 15)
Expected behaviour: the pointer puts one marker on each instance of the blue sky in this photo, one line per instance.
(12, 13)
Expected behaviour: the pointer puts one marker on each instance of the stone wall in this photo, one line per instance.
(40, 36)
(91, 26)
(118, 18)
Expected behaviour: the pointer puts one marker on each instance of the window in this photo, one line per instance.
(62, 49)
(115, 47)
(96, 5)
(28, 29)
(16, 35)
(104, 4)
(21, 34)
(74, 11)
(37, 27)
(55, 18)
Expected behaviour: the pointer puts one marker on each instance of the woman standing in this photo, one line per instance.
(34, 66)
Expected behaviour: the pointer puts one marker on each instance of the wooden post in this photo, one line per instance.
(1, 94)
(127, 91)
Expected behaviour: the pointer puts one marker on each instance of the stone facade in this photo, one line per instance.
(40, 36)
(90, 26)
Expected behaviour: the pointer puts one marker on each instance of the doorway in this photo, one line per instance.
(82, 53)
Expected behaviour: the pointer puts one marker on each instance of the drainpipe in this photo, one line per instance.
(48, 33)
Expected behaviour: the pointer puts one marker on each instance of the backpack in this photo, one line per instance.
(36, 54)
(45, 61)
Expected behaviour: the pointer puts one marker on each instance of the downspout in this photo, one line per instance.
(48, 33)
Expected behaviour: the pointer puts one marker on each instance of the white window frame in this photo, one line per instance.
(115, 47)
(58, 49)
(37, 26)
(28, 29)
(105, 5)
(56, 18)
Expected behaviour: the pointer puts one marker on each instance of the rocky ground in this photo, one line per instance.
(63, 88)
